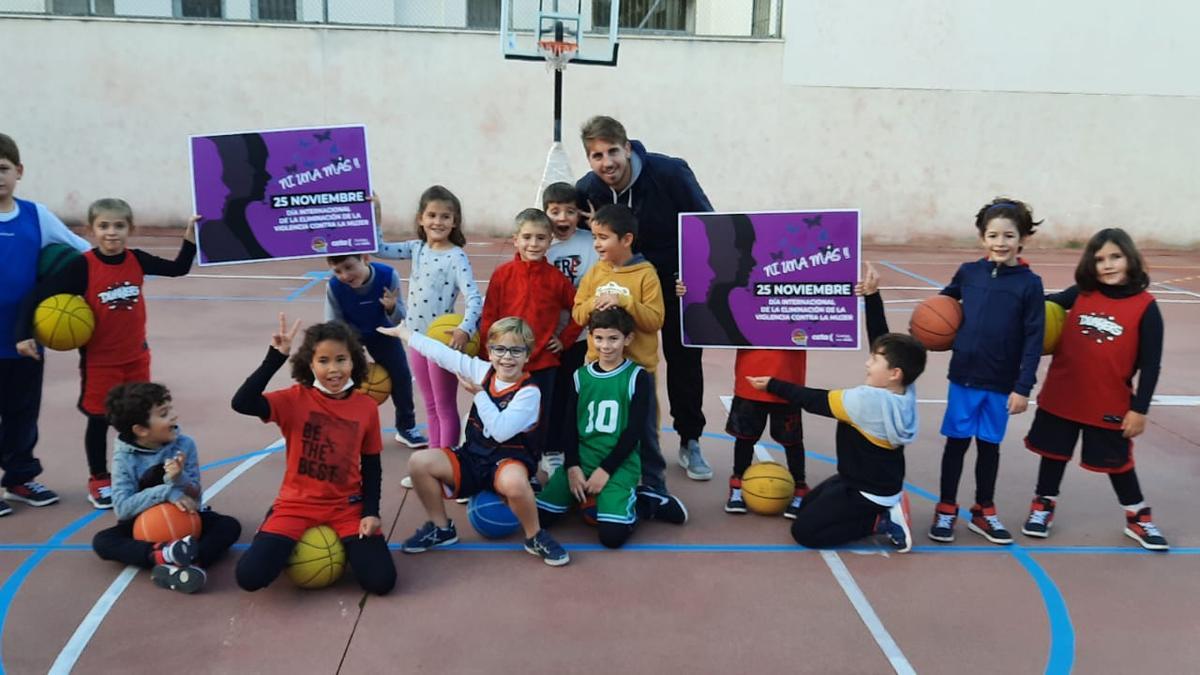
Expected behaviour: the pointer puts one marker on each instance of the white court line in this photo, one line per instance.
(851, 588)
(87, 628)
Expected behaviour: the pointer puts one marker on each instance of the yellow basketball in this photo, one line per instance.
(767, 488)
(63, 322)
(444, 325)
(378, 384)
(1056, 317)
(318, 559)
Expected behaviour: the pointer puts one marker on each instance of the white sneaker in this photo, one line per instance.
(406, 482)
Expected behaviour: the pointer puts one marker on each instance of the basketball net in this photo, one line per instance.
(558, 170)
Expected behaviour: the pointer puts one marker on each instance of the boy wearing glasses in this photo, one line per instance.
(530, 287)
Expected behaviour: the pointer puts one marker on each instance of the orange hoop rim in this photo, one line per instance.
(558, 47)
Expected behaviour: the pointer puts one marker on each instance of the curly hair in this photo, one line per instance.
(130, 404)
(317, 333)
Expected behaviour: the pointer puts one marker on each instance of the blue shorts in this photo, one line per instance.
(975, 412)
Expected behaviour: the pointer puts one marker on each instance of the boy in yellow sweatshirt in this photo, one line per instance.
(622, 278)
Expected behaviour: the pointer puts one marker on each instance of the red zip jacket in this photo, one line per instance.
(538, 293)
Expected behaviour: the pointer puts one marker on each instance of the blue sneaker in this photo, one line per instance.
(894, 524)
(551, 552)
(412, 438)
(693, 461)
(431, 536)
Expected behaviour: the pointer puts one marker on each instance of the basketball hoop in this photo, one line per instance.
(557, 53)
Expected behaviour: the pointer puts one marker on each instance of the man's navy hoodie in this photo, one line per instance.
(661, 188)
(1004, 315)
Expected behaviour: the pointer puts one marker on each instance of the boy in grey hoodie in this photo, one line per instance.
(153, 463)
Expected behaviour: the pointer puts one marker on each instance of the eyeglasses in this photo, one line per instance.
(500, 351)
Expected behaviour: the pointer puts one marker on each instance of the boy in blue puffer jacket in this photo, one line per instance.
(994, 365)
(154, 464)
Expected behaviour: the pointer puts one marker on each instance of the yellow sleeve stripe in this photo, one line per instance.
(838, 408)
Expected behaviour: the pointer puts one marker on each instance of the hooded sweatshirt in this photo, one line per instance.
(638, 292)
(138, 479)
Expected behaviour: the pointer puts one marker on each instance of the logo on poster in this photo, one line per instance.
(799, 337)
(320, 245)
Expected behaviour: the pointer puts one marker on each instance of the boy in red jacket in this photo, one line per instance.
(528, 286)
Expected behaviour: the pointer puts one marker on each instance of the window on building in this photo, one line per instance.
(652, 15)
(82, 7)
(483, 14)
(761, 22)
(276, 10)
(199, 9)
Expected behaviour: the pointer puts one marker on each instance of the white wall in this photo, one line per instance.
(116, 101)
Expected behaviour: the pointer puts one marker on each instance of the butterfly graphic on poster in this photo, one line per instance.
(324, 136)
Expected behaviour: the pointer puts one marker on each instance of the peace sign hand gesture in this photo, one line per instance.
(282, 339)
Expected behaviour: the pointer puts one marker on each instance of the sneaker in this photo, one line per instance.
(944, 517)
(1141, 528)
(691, 459)
(551, 462)
(550, 551)
(181, 552)
(186, 579)
(736, 503)
(797, 499)
(535, 484)
(406, 482)
(462, 500)
(430, 536)
(412, 438)
(5, 509)
(985, 522)
(657, 506)
(100, 492)
(32, 493)
(894, 524)
(1041, 517)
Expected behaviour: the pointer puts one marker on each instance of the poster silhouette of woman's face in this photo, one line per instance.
(243, 159)
(730, 233)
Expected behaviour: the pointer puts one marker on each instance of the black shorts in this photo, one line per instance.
(1104, 450)
(474, 473)
(748, 418)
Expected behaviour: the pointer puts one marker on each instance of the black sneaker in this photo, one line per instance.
(1140, 527)
(893, 523)
(944, 517)
(430, 536)
(1041, 517)
(668, 508)
(986, 523)
(181, 552)
(736, 502)
(185, 579)
(793, 509)
(32, 493)
(551, 552)
(5, 509)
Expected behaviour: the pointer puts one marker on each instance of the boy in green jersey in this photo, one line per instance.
(612, 398)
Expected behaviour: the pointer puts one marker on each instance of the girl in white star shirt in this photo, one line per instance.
(440, 271)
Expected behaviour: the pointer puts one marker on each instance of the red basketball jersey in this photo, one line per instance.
(1090, 378)
(114, 293)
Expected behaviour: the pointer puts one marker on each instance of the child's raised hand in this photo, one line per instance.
(282, 339)
(759, 383)
(869, 284)
(587, 215)
(186, 504)
(1017, 403)
(459, 339)
(28, 349)
(172, 468)
(398, 331)
(190, 233)
(389, 299)
(1133, 425)
(554, 346)
(680, 289)
(577, 483)
(368, 526)
(470, 386)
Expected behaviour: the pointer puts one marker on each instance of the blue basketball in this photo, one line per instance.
(491, 517)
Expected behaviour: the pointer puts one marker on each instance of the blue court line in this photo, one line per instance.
(314, 279)
(1062, 631)
(12, 585)
(918, 277)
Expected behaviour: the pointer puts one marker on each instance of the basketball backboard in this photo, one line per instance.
(531, 28)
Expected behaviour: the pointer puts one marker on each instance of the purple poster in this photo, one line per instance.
(289, 193)
(781, 280)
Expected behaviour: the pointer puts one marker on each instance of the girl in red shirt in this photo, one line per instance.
(1113, 329)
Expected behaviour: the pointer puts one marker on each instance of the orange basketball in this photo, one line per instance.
(935, 322)
(377, 385)
(165, 522)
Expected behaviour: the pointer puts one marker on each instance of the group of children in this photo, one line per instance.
(594, 426)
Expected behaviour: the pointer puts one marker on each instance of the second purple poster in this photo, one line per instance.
(781, 280)
(289, 193)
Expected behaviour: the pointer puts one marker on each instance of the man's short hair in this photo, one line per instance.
(603, 128)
